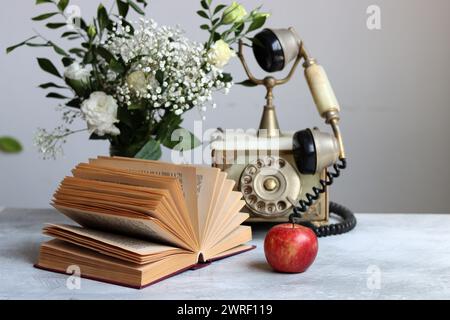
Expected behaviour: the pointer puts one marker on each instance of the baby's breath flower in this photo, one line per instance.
(50, 144)
(167, 69)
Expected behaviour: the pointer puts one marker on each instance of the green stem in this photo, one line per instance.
(94, 63)
(211, 37)
(70, 133)
(235, 39)
(233, 29)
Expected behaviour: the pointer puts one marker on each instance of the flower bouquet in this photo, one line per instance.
(131, 82)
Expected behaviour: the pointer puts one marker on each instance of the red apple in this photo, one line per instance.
(290, 248)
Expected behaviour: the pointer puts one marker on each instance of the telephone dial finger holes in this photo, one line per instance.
(267, 183)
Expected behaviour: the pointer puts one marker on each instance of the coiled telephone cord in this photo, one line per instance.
(347, 216)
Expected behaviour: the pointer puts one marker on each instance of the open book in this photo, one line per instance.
(143, 221)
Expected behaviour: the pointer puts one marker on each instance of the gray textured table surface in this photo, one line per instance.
(386, 257)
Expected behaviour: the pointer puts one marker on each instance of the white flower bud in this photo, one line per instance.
(234, 13)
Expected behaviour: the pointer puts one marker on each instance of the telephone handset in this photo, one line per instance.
(313, 151)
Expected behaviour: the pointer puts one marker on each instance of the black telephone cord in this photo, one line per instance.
(347, 224)
(348, 218)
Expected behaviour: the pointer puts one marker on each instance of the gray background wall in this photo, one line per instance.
(393, 85)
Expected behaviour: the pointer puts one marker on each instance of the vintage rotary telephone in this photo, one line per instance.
(291, 183)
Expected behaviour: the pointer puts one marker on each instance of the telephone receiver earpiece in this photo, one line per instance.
(275, 48)
(314, 150)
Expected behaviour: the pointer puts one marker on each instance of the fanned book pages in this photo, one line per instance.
(142, 221)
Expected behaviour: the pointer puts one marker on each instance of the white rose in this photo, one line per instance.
(76, 72)
(137, 81)
(100, 112)
(220, 54)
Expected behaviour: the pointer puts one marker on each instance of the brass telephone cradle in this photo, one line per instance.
(269, 121)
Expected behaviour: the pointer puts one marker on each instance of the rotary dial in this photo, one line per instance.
(267, 183)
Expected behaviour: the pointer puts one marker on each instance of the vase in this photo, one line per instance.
(121, 151)
(150, 150)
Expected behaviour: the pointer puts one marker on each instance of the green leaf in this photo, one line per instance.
(48, 66)
(78, 86)
(10, 49)
(150, 151)
(66, 61)
(124, 117)
(247, 83)
(56, 96)
(37, 45)
(74, 103)
(204, 27)
(219, 8)
(256, 42)
(68, 34)
(239, 30)
(83, 24)
(143, 2)
(57, 25)
(181, 140)
(135, 7)
(10, 145)
(88, 58)
(202, 14)
(215, 21)
(95, 136)
(78, 52)
(43, 1)
(216, 36)
(204, 4)
(117, 66)
(255, 11)
(169, 122)
(159, 76)
(62, 4)
(226, 77)
(44, 16)
(136, 106)
(51, 85)
(102, 16)
(125, 23)
(57, 49)
(123, 8)
(104, 53)
(257, 23)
